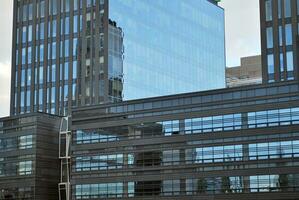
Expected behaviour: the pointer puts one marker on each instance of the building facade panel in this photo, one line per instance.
(279, 39)
(29, 165)
(236, 143)
(170, 48)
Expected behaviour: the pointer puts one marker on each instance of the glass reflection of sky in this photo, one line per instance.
(170, 46)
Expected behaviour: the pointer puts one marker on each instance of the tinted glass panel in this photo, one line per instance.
(169, 48)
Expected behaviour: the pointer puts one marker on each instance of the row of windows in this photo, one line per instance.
(278, 117)
(51, 74)
(16, 168)
(20, 193)
(20, 142)
(40, 34)
(64, 49)
(288, 57)
(26, 11)
(50, 98)
(103, 162)
(285, 4)
(216, 154)
(211, 98)
(272, 150)
(288, 34)
(217, 185)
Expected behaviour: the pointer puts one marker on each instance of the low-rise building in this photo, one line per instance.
(236, 143)
(248, 73)
(29, 163)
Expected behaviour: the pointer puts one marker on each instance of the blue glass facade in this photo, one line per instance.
(170, 46)
(77, 53)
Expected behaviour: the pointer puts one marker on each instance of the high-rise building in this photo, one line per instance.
(170, 47)
(70, 53)
(279, 36)
(248, 73)
(233, 143)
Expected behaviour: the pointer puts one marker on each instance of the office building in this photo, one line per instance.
(236, 143)
(248, 73)
(71, 53)
(170, 47)
(29, 164)
(279, 36)
(231, 143)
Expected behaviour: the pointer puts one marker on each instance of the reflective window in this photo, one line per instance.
(29, 55)
(270, 61)
(54, 50)
(281, 63)
(25, 12)
(53, 94)
(67, 5)
(99, 162)
(152, 59)
(67, 25)
(23, 78)
(288, 34)
(273, 118)
(66, 48)
(290, 65)
(274, 150)
(66, 71)
(75, 70)
(215, 154)
(54, 28)
(23, 56)
(42, 8)
(268, 6)
(42, 31)
(65, 91)
(287, 8)
(41, 74)
(41, 53)
(24, 34)
(290, 61)
(53, 78)
(76, 23)
(280, 35)
(40, 97)
(25, 142)
(75, 47)
(30, 33)
(279, 9)
(25, 168)
(269, 37)
(29, 76)
(103, 190)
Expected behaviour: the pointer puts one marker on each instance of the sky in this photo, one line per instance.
(242, 39)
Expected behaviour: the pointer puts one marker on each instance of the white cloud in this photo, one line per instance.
(5, 71)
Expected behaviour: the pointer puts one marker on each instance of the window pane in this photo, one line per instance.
(288, 33)
(270, 67)
(269, 37)
(290, 62)
(268, 5)
(287, 8)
